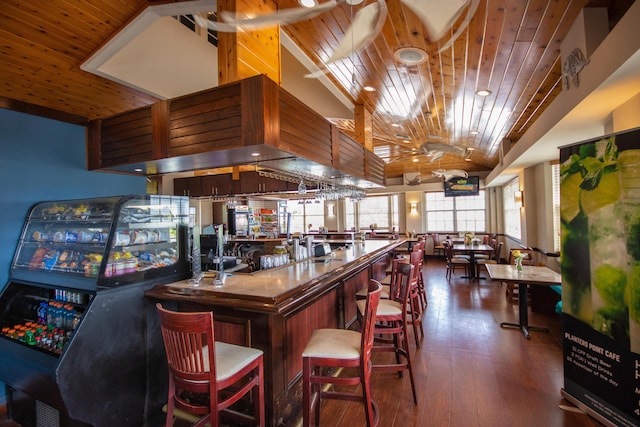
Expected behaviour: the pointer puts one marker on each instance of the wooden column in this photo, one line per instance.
(245, 54)
(364, 126)
(364, 132)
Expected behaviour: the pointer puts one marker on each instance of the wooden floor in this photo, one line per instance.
(468, 371)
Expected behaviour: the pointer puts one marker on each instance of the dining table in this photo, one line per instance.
(529, 275)
(472, 250)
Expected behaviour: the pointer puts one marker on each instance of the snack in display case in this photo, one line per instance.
(74, 313)
(104, 240)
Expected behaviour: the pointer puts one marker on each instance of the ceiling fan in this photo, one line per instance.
(436, 15)
(416, 178)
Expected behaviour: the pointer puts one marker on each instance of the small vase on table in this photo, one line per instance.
(519, 264)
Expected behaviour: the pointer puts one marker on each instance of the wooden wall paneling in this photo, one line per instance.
(126, 138)
(256, 114)
(232, 330)
(93, 145)
(160, 129)
(374, 168)
(335, 147)
(350, 287)
(303, 131)
(351, 156)
(205, 121)
(299, 327)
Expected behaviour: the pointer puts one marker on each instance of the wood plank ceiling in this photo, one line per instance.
(511, 47)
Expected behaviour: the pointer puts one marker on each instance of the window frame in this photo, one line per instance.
(511, 213)
(451, 207)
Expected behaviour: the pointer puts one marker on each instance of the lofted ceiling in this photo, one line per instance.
(510, 47)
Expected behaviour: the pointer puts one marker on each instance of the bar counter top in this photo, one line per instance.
(279, 289)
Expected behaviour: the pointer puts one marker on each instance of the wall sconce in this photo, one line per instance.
(518, 199)
(414, 208)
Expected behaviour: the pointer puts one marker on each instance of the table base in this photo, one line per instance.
(524, 328)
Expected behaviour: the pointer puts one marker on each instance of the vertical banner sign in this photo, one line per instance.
(600, 212)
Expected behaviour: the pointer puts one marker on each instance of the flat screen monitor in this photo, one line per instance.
(456, 187)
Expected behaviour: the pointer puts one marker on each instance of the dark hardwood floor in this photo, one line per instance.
(468, 371)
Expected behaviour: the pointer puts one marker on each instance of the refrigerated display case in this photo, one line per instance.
(77, 346)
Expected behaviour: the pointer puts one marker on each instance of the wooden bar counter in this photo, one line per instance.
(277, 310)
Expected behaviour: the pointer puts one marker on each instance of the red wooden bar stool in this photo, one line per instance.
(391, 325)
(422, 292)
(209, 389)
(386, 282)
(415, 303)
(341, 348)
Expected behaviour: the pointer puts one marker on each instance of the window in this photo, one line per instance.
(511, 210)
(455, 214)
(555, 184)
(350, 215)
(305, 212)
(380, 210)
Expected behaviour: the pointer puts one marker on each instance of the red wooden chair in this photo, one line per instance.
(438, 248)
(391, 325)
(341, 348)
(416, 290)
(207, 377)
(454, 262)
(421, 288)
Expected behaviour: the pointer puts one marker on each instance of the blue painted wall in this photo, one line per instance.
(42, 159)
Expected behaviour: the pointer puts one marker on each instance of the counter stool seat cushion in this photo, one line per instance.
(386, 308)
(230, 358)
(334, 344)
(384, 294)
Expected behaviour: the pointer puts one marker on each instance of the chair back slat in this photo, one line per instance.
(403, 284)
(369, 323)
(189, 344)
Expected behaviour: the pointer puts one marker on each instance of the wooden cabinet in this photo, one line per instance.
(217, 185)
(191, 186)
(252, 182)
(224, 185)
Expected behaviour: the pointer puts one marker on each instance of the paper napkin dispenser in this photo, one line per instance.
(322, 250)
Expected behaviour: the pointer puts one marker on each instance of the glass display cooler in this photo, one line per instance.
(77, 345)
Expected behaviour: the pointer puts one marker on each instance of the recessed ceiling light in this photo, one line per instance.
(369, 88)
(483, 92)
(415, 160)
(473, 132)
(395, 125)
(470, 148)
(406, 141)
(467, 159)
(137, 170)
(410, 55)
(308, 3)
(255, 154)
